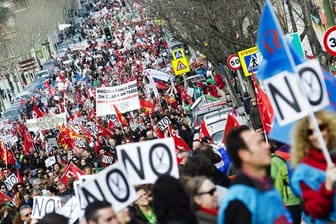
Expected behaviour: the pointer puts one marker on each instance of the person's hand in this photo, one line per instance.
(330, 177)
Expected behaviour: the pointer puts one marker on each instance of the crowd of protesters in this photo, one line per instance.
(136, 44)
(204, 193)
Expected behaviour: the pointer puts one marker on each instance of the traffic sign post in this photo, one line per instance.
(329, 40)
(180, 62)
(250, 59)
(233, 62)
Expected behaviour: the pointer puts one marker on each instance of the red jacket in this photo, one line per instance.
(317, 204)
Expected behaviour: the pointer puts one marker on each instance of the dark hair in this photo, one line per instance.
(171, 202)
(234, 142)
(53, 218)
(208, 152)
(91, 211)
(52, 188)
(199, 165)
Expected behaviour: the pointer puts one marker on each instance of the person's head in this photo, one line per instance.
(198, 165)
(254, 102)
(100, 212)
(53, 218)
(305, 137)
(19, 187)
(61, 187)
(123, 216)
(143, 200)
(247, 148)
(51, 190)
(25, 213)
(196, 144)
(3, 188)
(170, 200)
(202, 192)
(26, 195)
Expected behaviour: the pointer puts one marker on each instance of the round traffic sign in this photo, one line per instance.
(329, 40)
(233, 62)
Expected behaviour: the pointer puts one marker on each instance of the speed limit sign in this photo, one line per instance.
(233, 62)
(329, 40)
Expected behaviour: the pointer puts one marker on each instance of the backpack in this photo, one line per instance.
(282, 180)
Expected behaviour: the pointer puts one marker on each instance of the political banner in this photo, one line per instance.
(145, 161)
(125, 97)
(46, 122)
(111, 184)
(11, 181)
(44, 205)
(71, 210)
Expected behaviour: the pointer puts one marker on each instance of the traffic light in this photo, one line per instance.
(108, 34)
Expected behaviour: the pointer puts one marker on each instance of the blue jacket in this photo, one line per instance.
(265, 206)
(313, 178)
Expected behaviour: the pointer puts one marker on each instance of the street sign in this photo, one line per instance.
(250, 59)
(295, 40)
(329, 40)
(180, 62)
(233, 62)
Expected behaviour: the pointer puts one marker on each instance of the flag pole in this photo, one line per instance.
(292, 64)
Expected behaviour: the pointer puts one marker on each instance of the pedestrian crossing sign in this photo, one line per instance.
(180, 62)
(250, 59)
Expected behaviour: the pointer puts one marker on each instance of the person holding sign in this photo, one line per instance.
(313, 180)
(251, 198)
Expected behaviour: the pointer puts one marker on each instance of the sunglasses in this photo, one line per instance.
(322, 127)
(28, 214)
(210, 192)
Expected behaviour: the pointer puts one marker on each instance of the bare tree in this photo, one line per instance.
(219, 28)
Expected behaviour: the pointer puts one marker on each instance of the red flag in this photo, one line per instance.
(28, 141)
(204, 131)
(265, 107)
(104, 131)
(4, 198)
(110, 125)
(121, 119)
(71, 171)
(178, 140)
(37, 112)
(147, 105)
(231, 123)
(18, 175)
(159, 133)
(7, 156)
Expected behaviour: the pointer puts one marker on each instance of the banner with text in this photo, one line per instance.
(125, 97)
(47, 122)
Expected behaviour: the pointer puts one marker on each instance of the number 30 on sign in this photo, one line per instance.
(329, 40)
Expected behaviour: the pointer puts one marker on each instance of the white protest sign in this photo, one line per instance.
(47, 122)
(71, 210)
(45, 205)
(11, 181)
(163, 123)
(50, 161)
(295, 96)
(145, 161)
(107, 159)
(125, 97)
(111, 185)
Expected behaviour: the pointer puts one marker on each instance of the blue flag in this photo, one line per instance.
(271, 45)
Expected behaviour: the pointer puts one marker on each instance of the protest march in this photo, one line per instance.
(132, 126)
